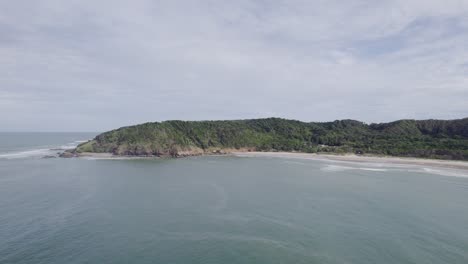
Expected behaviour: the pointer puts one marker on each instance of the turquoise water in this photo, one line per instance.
(223, 209)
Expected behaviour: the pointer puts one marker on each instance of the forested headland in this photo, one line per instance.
(441, 139)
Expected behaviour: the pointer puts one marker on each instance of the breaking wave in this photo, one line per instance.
(344, 168)
(409, 168)
(25, 154)
(446, 172)
(40, 152)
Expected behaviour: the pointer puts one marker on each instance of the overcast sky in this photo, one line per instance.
(97, 65)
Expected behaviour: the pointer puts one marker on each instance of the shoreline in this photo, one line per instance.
(387, 160)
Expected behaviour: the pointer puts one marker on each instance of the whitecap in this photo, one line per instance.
(40, 151)
(446, 172)
(335, 168)
(344, 168)
(25, 154)
(64, 147)
(372, 169)
(72, 145)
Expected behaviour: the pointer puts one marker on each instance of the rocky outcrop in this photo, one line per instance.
(68, 154)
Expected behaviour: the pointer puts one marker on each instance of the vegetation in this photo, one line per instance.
(443, 139)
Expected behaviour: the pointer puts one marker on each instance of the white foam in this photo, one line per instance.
(26, 154)
(372, 169)
(335, 168)
(414, 169)
(344, 168)
(68, 146)
(40, 151)
(446, 172)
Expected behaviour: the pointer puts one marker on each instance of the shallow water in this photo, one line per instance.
(224, 210)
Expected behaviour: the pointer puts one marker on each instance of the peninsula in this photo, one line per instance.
(439, 139)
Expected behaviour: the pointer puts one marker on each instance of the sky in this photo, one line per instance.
(81, 65)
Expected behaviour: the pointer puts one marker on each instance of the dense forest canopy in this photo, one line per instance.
(444, 139)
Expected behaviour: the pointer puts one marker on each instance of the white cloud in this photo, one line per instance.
(91, 65)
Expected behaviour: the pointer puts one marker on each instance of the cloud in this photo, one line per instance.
(87, 65)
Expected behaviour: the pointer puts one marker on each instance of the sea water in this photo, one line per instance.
(223, 209)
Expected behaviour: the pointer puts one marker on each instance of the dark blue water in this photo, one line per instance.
(223, 209)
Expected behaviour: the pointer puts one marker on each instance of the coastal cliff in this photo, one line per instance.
(441, 139)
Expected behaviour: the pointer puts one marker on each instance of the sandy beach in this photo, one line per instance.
(376, 160)
(452, 164)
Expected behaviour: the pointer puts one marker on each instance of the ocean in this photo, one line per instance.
(223, 209)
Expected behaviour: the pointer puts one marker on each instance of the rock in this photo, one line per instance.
(67, 154)
(49, 157)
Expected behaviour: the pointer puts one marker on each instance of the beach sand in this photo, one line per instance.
(382, 160)
(452, 164)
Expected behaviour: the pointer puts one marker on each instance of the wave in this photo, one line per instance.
(334, 168)
(25, 154)
(441, 172)
(373, 169)
(41, 151)
(344, 168)
(446, 172)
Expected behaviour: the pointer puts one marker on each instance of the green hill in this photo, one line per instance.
(443, 139)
